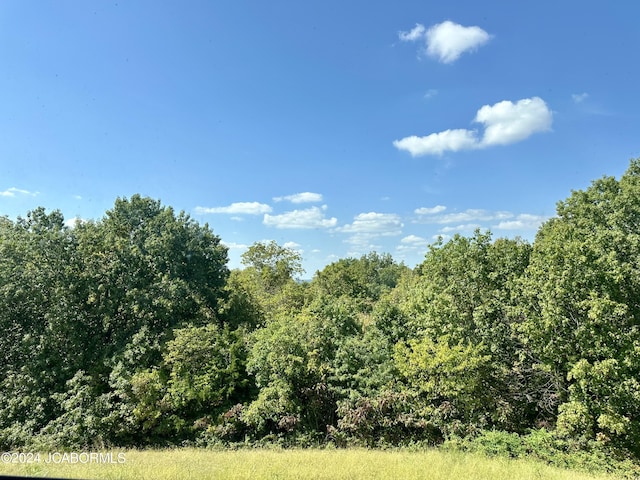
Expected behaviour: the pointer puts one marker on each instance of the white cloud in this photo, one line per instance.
(470, 219)
(471, 215)
(438, 143)
(524, 221)
(416, 33)
(430, 210)
(368, 226)
(237, 219)
(304, 197)
(412, 244)
(309, 218)
(77, 197)
(71, 222)
(579, 97)
(373, 223)
(247, 208)
(504, 122)
(446, 41)
(432, 92)
(292, 245)
(11, 192)
(460, 228)
(234, 245)
(413, 239)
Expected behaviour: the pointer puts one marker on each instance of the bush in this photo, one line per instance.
(549, 447)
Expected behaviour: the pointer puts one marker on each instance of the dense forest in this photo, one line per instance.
(132, 331)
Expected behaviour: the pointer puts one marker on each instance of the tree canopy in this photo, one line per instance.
(131, 331)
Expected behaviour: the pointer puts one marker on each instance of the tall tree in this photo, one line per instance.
(581, 309)
(462, 295)
(85, 308)
(274, 264)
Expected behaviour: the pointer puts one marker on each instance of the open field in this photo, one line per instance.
(350, 464)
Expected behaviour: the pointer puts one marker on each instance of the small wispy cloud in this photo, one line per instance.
(412, 244)
(504, 123)
(430, 210)
(432, 92)
(13, 191)
(413, 240)
(294, 246)
(466, 227)
(416, 33)
(313, 217)
(247, 208)
(304, 197)
(366, 227)
(379, 224)
(474, 215)
(469, 216)
(447, 41)
(438, 143)
(235, 246)
(579, 97)
(524, 221)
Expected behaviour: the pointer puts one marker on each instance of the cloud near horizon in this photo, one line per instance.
(504, 123)
(373, 223)
(304, 219)
(430, 210)
(366, 227)
(303, 197)
(247, 208)
(11, 192)
(524, 221)
(446, 41)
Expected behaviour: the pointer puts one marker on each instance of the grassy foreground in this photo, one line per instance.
(349, 464)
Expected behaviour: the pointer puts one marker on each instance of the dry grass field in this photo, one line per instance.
(352, 464)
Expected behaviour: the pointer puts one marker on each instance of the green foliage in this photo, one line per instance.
(364, 279)
(450, 383)
(78, 305)
(292, 361)
(202, 374)
(130, 330)
(547, 446)
(274, 265)
(464, 293)
(388, 418)
(582, 317)
(82, 417)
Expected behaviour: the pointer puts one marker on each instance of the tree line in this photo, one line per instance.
(132, 331)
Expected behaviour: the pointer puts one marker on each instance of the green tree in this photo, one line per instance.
(201, 376)
(274, 265)
(84, 309)
(293, 361)
(365, 279)
(450, 384)
(581, 310)
(464, 293)
(42, 330)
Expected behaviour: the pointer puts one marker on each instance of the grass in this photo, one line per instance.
(352, 464)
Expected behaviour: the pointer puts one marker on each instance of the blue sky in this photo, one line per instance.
(331, 127)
